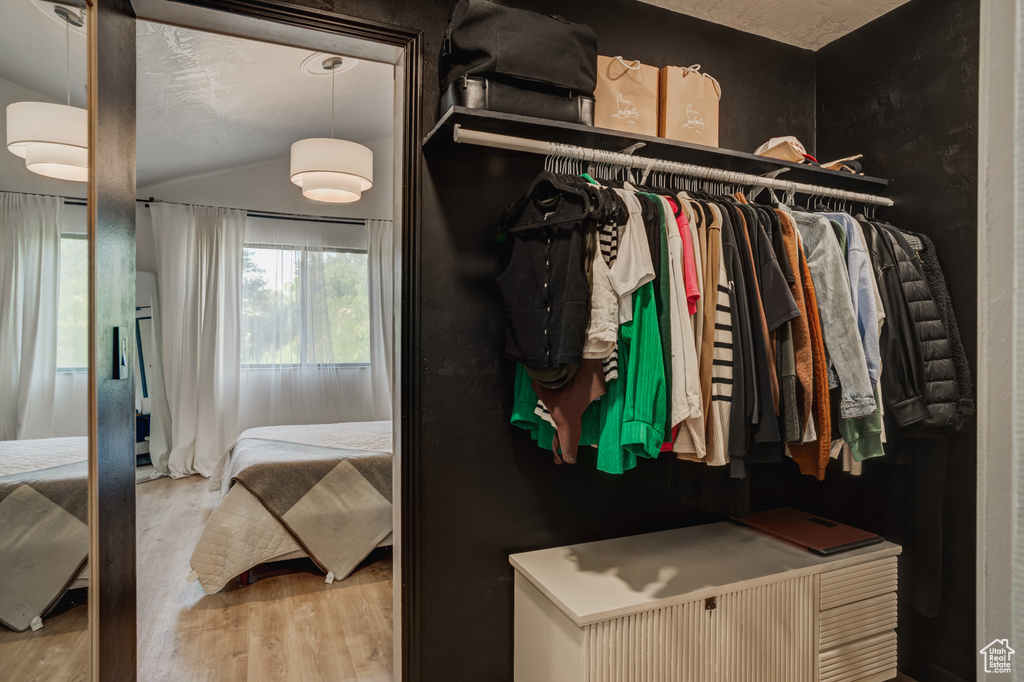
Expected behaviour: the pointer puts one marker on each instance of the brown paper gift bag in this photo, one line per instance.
(688, 105)
(626, 96)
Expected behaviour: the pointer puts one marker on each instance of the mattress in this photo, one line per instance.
(241, 532)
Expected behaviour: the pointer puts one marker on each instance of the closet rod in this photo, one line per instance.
(522, 144)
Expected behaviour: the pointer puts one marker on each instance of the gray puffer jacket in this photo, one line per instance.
(942, 394)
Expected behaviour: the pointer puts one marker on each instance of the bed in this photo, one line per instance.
(321, 490)
(44, 517)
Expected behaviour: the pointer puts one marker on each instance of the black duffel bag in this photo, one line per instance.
(517, 47)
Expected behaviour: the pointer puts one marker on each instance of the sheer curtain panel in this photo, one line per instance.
(152, 342)
(29, 292)
(306, 323)
(199, 276)
(71, 397)
(381, 265)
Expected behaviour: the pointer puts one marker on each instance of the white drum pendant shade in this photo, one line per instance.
(58, 161)
(52, 138)
(336, 171)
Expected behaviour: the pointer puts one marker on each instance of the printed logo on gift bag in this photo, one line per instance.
(693, 118)
(626, 109)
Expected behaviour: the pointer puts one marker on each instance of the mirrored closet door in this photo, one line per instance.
(44, 342)
(264, 296)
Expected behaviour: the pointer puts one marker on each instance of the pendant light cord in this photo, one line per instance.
(67, 56)
(334, 73)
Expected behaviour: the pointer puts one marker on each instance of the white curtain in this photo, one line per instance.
(381, 265)
(151, 344)
(199, 257)
(70, 406)
(306, 324)
(29, 286)
(71, 397)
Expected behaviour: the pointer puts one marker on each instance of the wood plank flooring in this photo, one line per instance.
(285, 627)
(60, 651)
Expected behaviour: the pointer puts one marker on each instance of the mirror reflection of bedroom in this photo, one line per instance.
(44, 342)
(264, 323)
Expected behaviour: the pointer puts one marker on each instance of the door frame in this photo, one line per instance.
(113, 656)
(111, 227)
(1000, 382)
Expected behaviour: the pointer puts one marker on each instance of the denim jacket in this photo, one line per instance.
(838, 319)
(864, 306)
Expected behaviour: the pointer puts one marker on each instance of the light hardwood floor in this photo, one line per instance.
(60, 651)
(284, 627)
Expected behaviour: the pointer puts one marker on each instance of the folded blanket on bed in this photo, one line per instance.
(45, 539)
(336, 503)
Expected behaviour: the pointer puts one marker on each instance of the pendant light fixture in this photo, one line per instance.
(52, 138)
(336, 171)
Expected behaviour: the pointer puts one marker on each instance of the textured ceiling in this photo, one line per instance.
(206, 102)
(34, 51)
(810, 24)
(209, 102)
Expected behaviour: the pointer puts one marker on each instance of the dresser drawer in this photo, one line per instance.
(857, 583)
(869, 658)
(855, 621)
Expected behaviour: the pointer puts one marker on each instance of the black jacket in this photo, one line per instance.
(937, 283)
(941, 391)
(903, 376)
(545, 286)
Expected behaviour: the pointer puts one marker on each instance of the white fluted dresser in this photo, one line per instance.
(714, 603)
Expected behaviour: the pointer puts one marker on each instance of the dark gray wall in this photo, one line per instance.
(484, 490)
(903, 91)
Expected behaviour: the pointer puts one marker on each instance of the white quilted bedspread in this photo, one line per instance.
(240, 532)
(21, 456)
(373, 436)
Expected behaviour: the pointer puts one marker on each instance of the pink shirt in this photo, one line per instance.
(689, 266)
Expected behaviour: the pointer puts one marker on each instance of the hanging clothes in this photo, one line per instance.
(861, 436)
(713, 337)
(925, 250)
(847, 365)
(902, 377)
(941, 390)
(648, 320)
(685, 395)
(545, 287)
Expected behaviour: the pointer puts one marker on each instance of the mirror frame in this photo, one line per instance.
(111, 209)
(112, 228)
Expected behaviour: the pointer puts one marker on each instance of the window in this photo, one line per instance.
(73, 304)
(304, 306)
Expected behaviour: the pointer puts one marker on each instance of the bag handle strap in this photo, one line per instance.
(695, 68)
(636, 63)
